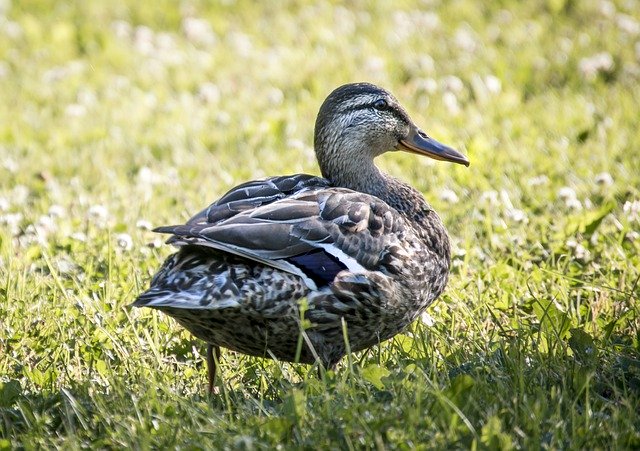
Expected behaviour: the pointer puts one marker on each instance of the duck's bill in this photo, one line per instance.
(418, 142)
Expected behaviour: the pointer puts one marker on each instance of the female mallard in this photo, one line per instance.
(356, 250)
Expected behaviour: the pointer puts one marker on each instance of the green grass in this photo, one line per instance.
(117, 112)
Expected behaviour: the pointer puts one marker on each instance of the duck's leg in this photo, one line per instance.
(212, 365)
(324, 367)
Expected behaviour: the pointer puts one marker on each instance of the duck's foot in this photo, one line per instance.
(212, 367)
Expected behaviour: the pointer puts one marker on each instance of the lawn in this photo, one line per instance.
(119, 116)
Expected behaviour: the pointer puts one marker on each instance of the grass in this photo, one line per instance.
(117, 115)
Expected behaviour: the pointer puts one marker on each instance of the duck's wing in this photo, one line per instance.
(315, 232)
(256, 193)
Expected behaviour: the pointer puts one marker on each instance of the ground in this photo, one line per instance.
(119, 116)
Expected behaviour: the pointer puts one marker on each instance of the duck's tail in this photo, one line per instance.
(190, 280)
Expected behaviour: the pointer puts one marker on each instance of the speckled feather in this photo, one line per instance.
(357, 246)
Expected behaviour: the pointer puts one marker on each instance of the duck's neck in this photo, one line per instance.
(359, 173)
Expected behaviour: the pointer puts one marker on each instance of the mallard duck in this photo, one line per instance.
(303, 268)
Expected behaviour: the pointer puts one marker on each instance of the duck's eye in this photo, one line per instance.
(381, 105)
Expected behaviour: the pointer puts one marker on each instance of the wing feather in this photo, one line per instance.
(284, 222)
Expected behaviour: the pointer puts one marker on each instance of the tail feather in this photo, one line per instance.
(193, 300)
(203, 279)
(191, 279)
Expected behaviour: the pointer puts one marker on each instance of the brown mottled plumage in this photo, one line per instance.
(358, 246)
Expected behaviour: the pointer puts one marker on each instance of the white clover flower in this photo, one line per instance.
(32, 234)
(56, 211)
(426, 64)
(150, 100)
(143, 40)
(275, 96)
(479, 88)
(598, 63)
(167, 51)
(198, 31)
(451, 102)
(505, 199)
(607, 9)
(517, 215)
(171, 176)
(121, 28)
(98, 213)
(12, 221)
(209, 93)
(146, 176)
(12, 29)
(65, 266)
(538, 180)
(124, 241)
(570, 198)
(493, 84)
(427, 319)
(628, 24)
(458, 255)
(480, 254)
(10, 164)
(452, 83)
(87, 97)
(428, 85)
(573, 204)
(165, 41)
(566, 193)
(241, 43)
(580, 253)
(427, 20)
(75, 110)
(458, 252)
(604, 179)
(45, 224)
(632, 236)
(374, 65)
(4, 204)
(20, 194)
(222, 118)
(78, 236)
(120, 82)
(465, 39)
(143, 224)
(489, 197)
(295, 144)
(632, 210)
(61, 72)
(344, 21)
(449, 196)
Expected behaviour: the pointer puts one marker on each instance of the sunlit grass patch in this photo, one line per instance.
(116, 117)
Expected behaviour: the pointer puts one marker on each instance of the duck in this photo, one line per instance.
(304, 268)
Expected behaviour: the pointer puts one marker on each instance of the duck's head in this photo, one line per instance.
(360, 121)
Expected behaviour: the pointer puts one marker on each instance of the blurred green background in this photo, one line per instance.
(122, 115)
